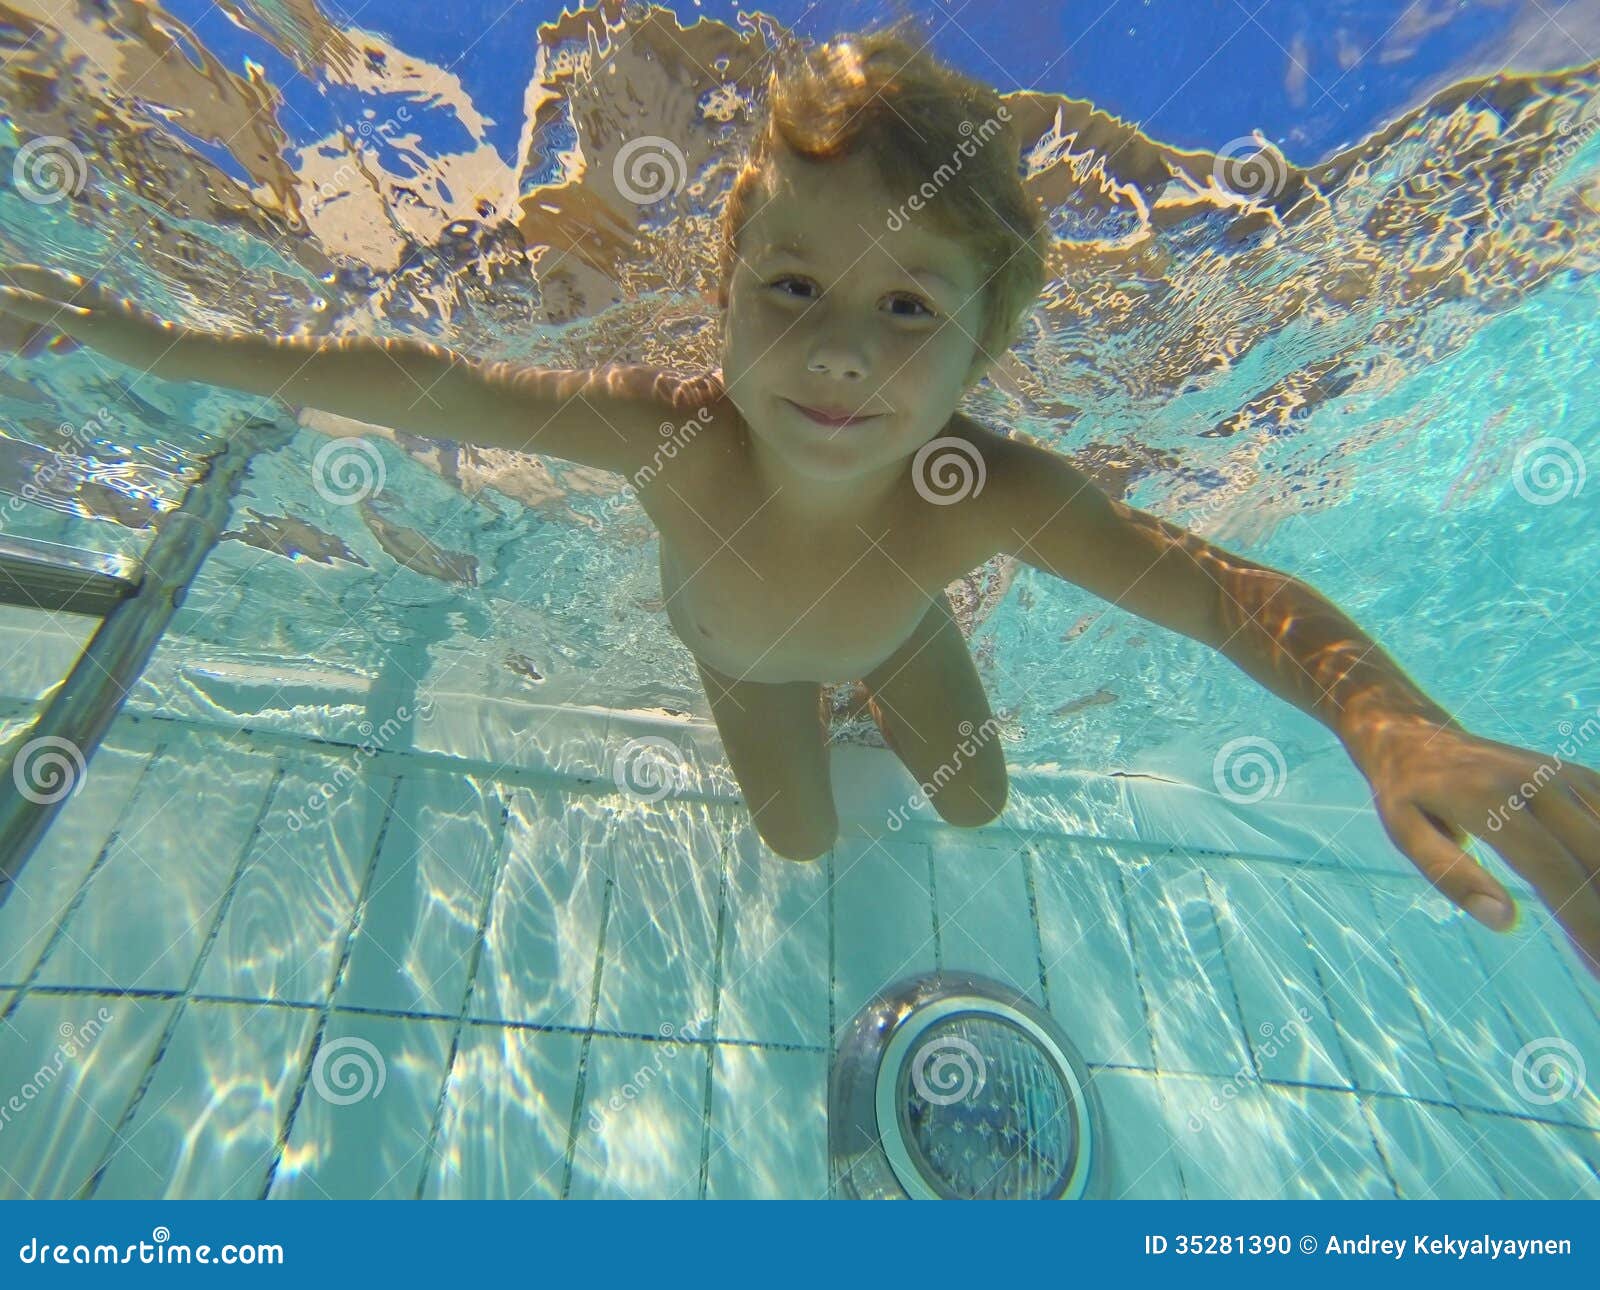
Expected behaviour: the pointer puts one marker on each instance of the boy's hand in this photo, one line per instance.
(86, 312)
(1433, 784)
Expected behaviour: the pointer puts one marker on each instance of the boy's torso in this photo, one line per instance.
(757, 603)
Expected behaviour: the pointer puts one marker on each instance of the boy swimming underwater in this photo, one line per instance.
(807, 528)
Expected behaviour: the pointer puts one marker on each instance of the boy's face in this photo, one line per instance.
(831, 309)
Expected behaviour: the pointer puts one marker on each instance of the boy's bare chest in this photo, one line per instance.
(756, 603)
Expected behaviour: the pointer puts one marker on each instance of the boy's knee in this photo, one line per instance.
(972, 805)
(799, 839)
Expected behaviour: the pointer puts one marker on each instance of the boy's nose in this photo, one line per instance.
(832, 358)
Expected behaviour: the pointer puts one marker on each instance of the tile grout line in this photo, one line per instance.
(1517, 1032)
(827, 1146)
(579, 1088)
(78, 896)
(400, 1014)
(1144, 1004)
(1247, 1035)
(91, 1185)
(1033, 919)
(486, 909)
(1227, 968)
(716, 1009)
(325, 1007)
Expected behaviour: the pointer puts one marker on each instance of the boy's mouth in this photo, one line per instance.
(832, 416)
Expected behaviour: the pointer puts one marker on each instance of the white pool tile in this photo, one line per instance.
(665, 861)
(361, 1129)
(557, 740)
(413, 945)
(1075, 803)
(641, 1124)
(1090, 972)
(508, 1107)
(1550, 1067)
(543, 933)
(146, 914)
(1286, 1017)
(38, 649)
(45, 887)
(1389, 1049)
(1225, 1137)
(95, 1050)
(1465, 1016)
(769, 1125)
(981, 899)
(1246, 1141)
(649, 754)
(293, 905)
(1433, 1153)
(1330, 1144)
(774, 986)
(1141, 1161)
(882, 920)
(1535, 1161)
(207, 1126)
(1188, 989)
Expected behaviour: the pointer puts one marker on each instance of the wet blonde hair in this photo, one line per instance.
(923, 125)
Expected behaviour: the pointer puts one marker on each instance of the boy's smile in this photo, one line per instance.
(846, 346)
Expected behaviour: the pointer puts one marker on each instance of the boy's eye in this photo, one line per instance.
(919, 308)
(913, 300)
(778, 283)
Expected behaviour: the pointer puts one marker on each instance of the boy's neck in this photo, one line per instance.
(825, 506)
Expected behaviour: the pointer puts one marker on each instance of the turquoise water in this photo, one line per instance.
(361, 878)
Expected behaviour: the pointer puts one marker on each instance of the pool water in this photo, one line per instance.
(412, 865)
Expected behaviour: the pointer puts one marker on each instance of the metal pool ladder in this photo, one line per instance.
(135, 601)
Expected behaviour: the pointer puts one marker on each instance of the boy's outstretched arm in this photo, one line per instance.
(607, 417)
(1433, 782)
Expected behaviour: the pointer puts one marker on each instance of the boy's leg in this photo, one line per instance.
(774, 736)
(929, 703)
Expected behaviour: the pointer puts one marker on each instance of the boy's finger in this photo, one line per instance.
(51, 283)
(37, 308)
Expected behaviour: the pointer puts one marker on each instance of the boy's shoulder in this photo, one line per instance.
(1014, 485)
